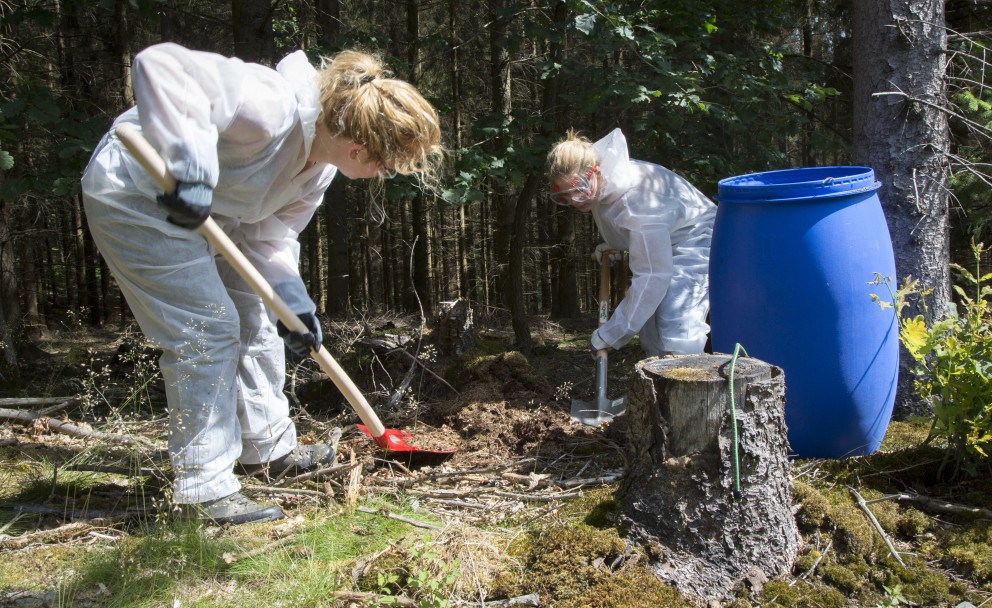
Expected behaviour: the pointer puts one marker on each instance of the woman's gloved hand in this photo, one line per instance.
(294, 294)
(614, 255)
(597, 344)
(301, 344)
(188, 205)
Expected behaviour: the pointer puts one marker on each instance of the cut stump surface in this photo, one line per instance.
(680, 494)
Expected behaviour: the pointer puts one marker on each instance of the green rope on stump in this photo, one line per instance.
(738, 495)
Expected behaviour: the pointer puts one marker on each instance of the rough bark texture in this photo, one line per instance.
(900, 130)
(455, 328)
(679, 498)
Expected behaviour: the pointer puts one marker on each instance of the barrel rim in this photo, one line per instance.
(854, 180)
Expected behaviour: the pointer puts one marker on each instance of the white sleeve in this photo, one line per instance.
(184, 99)
(652, 266)
(273, 245)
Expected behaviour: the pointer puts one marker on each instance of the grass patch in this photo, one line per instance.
(201, 566)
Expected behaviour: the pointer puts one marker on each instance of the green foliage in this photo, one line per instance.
(426, 578)
(893, 597)
(953, 363)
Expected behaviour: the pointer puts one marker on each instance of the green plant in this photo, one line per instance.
(953, 362)
(427, 580)
(893, 597)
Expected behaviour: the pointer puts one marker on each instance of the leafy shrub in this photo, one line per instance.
(953, 363)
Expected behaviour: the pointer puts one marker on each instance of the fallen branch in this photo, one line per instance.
(878, 526)
(375, 599)
(286, 491)
(538, 497)
(434, 477)
(71, 429)
(934, 504)
(55, 535)
(111, 470)
(427, 369)
(22, 401)
(313, 474)
(83, 515)
(594, 481)
(812, 568)
(461, 504)
(531, 599)
(406, 520)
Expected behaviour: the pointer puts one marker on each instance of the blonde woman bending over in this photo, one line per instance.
(255, 148)
(662, 221)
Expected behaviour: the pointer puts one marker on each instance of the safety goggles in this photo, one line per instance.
(580, 192)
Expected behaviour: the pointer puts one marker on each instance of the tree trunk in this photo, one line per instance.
(565, 302)
(8, 301)
(901, 132)
(254, 40)
(710, 522)
(329, 22)
(336, 219)
(422, 208)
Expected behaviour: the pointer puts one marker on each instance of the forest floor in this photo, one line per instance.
(522, 513)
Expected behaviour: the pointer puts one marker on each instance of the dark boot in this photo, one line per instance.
(300, 459)
(234, 509)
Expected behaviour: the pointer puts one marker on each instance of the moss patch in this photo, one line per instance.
(969, 550)
(570, 566)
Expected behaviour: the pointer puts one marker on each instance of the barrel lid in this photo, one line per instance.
(797, 184)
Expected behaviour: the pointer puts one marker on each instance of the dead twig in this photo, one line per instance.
(933, 504)
(374, 599)
(538, 497)
(71, 429)
(285, 491)
(427, 369)
(22, 401)
(406, 520)
(812, 568)
(340, 468)
(531, 599)
(878, 526)
(408, 377)
(60, 534)
(594, 481)
(111, 470)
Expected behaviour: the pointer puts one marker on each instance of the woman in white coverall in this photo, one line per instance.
(665, 225)
(255, 148)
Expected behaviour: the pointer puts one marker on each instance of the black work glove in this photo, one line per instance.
(593, 348)
(188, 205)
(301, 344)
(294, 294)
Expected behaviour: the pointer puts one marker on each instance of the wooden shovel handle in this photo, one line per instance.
(155, 166)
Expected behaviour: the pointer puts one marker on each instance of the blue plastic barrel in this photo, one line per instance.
(793, 256)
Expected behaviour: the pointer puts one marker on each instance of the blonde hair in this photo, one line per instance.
(571, 156)
(361, 101)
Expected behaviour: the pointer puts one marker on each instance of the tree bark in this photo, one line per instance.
(336, 219)
(254, 39)
(901, 132)
(710, 521)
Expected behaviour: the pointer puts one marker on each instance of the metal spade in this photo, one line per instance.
(602, 409)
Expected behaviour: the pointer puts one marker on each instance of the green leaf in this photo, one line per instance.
(6, 161)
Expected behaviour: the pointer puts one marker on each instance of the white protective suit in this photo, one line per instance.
(665, 224)
(246, 130)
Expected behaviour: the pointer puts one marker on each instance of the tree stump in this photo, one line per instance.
(679, 495)
(455, 327)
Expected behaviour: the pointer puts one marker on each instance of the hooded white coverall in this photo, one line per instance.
(665, 224)
(245, 130)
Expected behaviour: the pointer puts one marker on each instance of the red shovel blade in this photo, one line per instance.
(396, 441)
